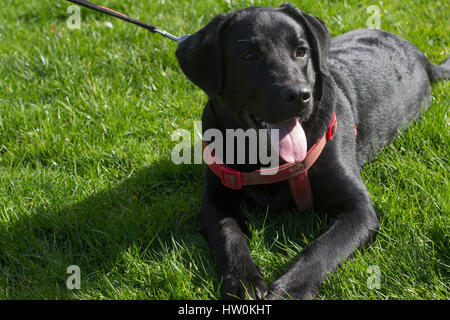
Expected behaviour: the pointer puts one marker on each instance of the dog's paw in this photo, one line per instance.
(278, 291)
(243, 287)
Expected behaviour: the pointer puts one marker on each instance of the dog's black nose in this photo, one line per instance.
(296, 96)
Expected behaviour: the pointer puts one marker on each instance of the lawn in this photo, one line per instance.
(86, 178)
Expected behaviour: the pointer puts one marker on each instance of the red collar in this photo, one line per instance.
(296, 173)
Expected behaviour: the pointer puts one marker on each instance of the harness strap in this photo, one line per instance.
(300, 186)
(296, 173)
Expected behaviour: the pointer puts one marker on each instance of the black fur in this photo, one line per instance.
(370, 78)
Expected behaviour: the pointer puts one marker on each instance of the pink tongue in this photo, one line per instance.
(292, 140)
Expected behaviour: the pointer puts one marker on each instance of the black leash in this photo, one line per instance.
(119, 15)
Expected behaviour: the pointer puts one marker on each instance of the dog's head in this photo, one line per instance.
(265, 64)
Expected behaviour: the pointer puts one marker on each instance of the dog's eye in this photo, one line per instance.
(301, 52)
(248, 56)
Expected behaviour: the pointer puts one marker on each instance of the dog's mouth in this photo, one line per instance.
(254, 122)
(291, 143)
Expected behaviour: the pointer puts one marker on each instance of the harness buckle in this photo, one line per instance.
(230, 178)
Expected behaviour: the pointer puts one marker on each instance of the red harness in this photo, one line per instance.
(296, 173)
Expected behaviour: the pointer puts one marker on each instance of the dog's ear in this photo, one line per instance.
(200, 56)
(319, 39)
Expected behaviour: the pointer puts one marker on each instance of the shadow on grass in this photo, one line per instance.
(154, 206)
(142, 236)
(283, 235)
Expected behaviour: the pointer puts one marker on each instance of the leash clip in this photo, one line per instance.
(171, 36)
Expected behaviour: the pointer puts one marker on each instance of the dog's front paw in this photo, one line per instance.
(280, 291)
(243, 287)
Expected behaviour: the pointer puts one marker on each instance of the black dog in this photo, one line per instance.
(269, 67)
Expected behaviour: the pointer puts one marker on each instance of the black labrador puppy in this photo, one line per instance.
(278, 68)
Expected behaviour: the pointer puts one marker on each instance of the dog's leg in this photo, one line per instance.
(241, 276)
(354, 226)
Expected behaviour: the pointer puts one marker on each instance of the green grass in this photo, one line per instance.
(86, 178)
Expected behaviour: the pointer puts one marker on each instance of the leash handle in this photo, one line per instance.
(124, 17)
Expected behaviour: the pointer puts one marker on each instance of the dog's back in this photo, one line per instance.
(387, 81)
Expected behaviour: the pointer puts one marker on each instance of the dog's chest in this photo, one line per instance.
(274, 196)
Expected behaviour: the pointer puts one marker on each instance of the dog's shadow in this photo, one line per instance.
(139, 239)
